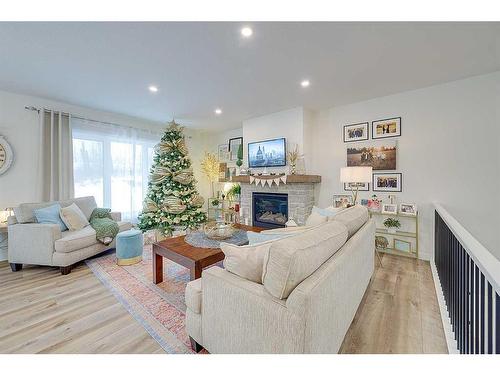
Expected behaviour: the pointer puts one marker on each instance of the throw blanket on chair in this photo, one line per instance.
(105, 227)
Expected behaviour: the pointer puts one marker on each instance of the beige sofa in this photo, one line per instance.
(312, 286)
(44, 244)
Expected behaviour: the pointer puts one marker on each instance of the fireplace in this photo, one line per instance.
(270, 210)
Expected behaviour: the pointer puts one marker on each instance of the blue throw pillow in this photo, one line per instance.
(255, 238)
(325, 211)
(50, 215)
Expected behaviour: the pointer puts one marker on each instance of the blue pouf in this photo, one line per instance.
(129, 246)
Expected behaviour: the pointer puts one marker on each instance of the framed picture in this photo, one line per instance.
(364, 202)
(387, 182)
(402, 245)
(223, 153)
(388, 208)
(356, 132)
(234, 144)
(379, 156)
(386, 128)
(362, 186)
(342, 200)
(409, 209)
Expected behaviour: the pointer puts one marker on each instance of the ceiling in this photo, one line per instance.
(201, 66)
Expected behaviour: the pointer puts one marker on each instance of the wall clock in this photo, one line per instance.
(6, 155)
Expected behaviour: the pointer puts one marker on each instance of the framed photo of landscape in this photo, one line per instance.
(234, 144)
(388, 182)
(356, 132)
(378, 155)
(386, 128)
(362, 186)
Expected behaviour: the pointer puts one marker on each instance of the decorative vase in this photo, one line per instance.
(293, 169)
(391, 230)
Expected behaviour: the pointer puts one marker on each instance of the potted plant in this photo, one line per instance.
(215, 202)
(392, 225)
(234, 192)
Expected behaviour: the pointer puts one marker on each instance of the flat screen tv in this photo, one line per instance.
(270, 153)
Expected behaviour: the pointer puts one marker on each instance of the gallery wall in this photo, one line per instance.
(448, 152)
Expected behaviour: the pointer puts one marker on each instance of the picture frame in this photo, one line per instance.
(223, 152)
(408, 209)
(234, 143)
(386, 128)
(390, 209)
(388, 182)
(362, 186)
(402, 245)
(381, 156)
(342, 200)
(356, 132)
(364, 202)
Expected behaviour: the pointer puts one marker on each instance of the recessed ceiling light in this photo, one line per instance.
(305, 83)
(153, 88)
(218, 111)
(246, 32)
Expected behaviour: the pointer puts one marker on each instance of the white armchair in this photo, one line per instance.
(45, 244)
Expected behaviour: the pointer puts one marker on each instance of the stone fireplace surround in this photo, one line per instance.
(300, 199)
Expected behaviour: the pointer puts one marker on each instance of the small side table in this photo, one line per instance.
(3, 241)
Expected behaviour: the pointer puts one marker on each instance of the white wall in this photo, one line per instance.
(20, 127)
(289, 124)
(448, 152)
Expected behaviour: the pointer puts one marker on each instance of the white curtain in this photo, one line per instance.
(56, 156)
(112, 163)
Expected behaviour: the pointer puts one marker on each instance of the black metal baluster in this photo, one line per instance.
(477, 294)
(482, 330)
(471, 306)
(497, 323)
(489, 313)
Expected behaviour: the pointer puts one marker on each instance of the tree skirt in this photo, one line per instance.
(200, 239)
(159, 308)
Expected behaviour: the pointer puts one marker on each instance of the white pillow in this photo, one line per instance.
(334, 211)
(315, 218)
(246, 261)
(73, 217)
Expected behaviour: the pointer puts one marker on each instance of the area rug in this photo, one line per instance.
(160, 307)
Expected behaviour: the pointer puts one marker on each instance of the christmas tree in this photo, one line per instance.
(172, 200)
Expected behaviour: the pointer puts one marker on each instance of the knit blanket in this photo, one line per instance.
(105, 227)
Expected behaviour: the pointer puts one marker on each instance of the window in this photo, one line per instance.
(112, 164)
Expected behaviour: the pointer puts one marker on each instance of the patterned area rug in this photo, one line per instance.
(159, 308)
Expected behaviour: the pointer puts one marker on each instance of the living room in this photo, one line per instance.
(218, 187)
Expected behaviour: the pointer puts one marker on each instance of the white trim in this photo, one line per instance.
(448, 332)
(487, 263)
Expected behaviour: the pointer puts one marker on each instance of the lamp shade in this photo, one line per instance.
(356, 174)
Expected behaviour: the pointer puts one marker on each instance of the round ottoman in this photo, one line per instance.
(129, 246)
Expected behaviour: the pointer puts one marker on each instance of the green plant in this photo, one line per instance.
(215, 202)
(234, 191)
(392, 223)
(239, 162)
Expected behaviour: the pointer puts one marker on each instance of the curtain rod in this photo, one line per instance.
(32, 108)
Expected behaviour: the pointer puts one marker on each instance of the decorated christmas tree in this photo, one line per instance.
(172, 201)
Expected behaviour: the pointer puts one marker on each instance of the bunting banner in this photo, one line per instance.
(269, 181)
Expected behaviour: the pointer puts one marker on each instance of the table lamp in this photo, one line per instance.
(354, 176)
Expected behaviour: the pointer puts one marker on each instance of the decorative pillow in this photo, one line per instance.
(50, 215)
(73, 217)
(246, 261)
(255, 238)
(315, 219)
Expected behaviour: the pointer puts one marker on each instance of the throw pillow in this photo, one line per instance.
(246, 261)
(255, 238)
(315, 219)
(50, 215)
(73, 217)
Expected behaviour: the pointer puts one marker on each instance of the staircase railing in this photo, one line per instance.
(470, 280)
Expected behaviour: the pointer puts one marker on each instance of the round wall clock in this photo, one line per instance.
(6, 155)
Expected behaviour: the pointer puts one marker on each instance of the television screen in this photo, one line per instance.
(271, 153)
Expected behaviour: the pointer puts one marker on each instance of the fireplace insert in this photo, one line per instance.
(270, 210)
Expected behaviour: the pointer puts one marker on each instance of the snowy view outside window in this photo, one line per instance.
(114, 169)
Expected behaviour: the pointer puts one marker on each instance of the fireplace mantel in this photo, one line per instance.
(290, 179)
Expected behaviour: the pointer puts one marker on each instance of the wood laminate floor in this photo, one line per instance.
(44, 312)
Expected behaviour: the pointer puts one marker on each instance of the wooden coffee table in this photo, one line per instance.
(180, 252)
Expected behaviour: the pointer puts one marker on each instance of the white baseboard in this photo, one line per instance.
(448, 331)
